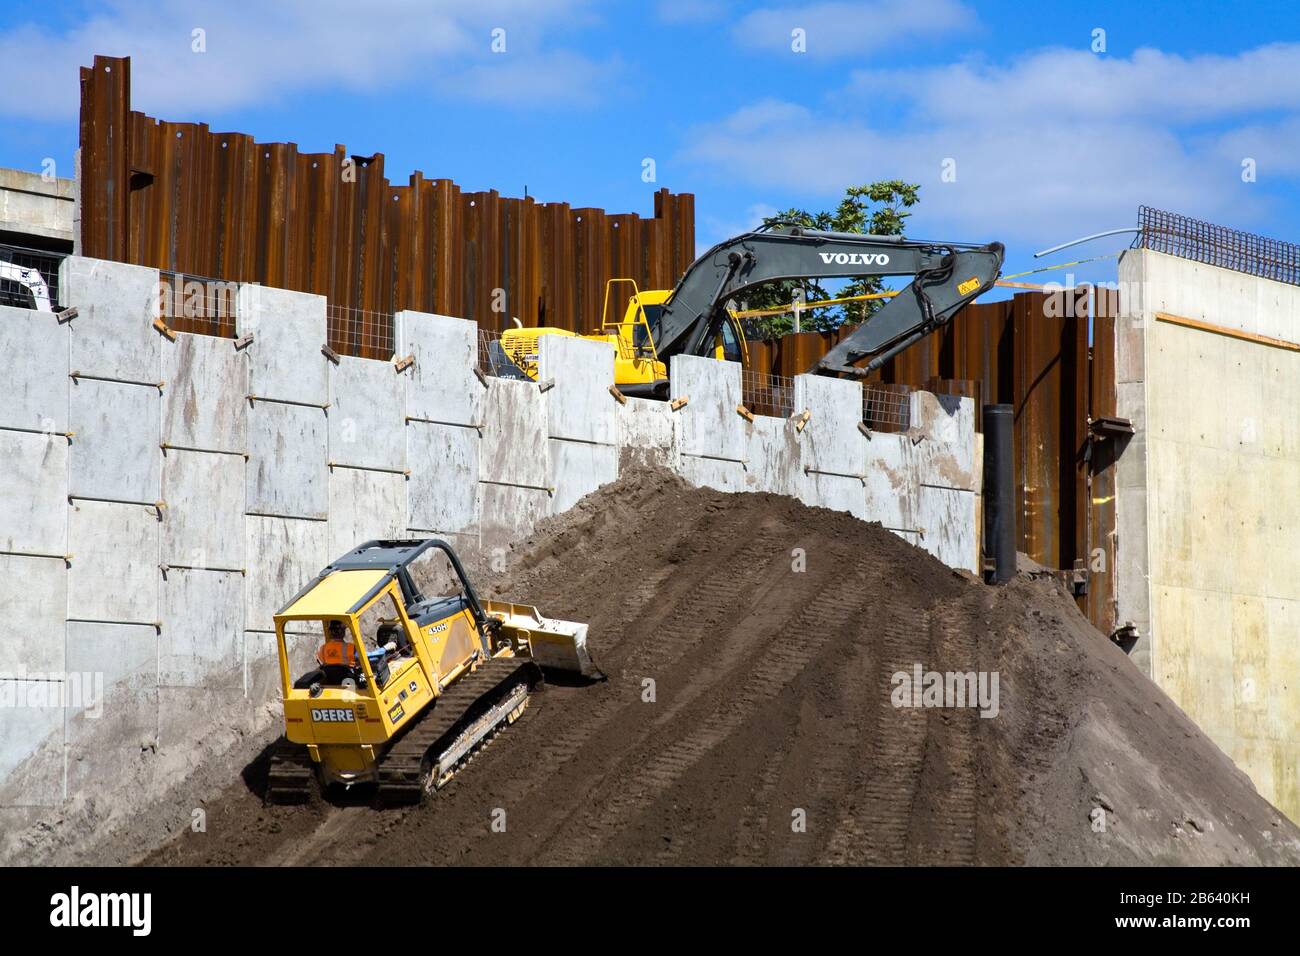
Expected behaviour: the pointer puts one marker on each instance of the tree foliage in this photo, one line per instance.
(881, 209)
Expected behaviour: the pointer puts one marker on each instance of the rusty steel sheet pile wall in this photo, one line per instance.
(178, 197)
(1033, 352)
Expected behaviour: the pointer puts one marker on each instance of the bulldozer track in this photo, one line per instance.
(405, 768)
(291, 778)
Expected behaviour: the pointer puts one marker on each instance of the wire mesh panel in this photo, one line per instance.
(29, 278)
(359, 332)
(492, 356)
(767, 394)
(1218, 245)
(197, 304)
(887, 408)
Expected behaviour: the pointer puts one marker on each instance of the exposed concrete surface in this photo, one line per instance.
(34, 205)
(1208, 507)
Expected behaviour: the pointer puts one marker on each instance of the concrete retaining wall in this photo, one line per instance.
(1208, 504)
(162, 498)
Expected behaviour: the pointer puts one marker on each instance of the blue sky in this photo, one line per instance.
(1049, 138)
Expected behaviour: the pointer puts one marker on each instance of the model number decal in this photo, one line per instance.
(438, 628)
(332, 715)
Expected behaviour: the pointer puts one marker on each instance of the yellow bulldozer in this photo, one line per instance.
(403, 688)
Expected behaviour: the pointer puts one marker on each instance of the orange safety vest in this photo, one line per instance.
(342, 653)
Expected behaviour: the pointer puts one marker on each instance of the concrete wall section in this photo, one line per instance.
(367, 414)
(203, 521)
(204, 399)
(773, 458)
(647, 433)
(201, 639)
(288, 473)
(114, 573)
(36, 393)
(579, 404)
(513, 450)
(33, 493)
(363, 505)
(33, 600)
(116, 452)
(709, 425)
(285, 361)
(32, 204)
(443, 493)
(119, 663)
(283, 555)
(113, 334)
(441, 386)
(1208, 506)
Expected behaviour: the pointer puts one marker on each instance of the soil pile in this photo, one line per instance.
(756, 651)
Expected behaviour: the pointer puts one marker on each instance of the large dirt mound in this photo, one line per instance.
(772, 634)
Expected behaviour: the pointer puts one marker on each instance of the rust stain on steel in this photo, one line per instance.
(179, 197)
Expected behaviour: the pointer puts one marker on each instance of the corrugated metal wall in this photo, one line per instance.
(178, 197)
(1031, 352)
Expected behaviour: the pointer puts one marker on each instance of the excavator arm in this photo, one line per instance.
(946, 276)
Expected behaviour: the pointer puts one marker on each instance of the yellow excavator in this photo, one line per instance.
(403, 688)
(693, 319)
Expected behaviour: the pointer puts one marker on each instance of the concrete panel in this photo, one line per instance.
(31, 743)
(708, 423)
(33, 493)
(514, 434)
(946, 457)
(283, 555)
(442, 386)
(288, 472)
(285, 362)
(203, 523)
(33, 596)
(580, 406)
(201, 643)
(204, 398)
(118, 665)
(946, 519)
(262, 663)
(712, 473)
(364, 505)
(115, 451)
(891, 482)
(830, 442)
(772, 457)
(36, 393)
(579, 468)
(836, 492)
(113, 334)
(443, 493)
(647, 433)
(114, 574)
(510, 513)
(367, 414)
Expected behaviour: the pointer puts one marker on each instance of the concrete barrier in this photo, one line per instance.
(36, 391)
(711, 434)
(113, 335)
(204, 396)
(285, 362)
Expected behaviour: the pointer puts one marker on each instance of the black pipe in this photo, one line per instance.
(999, 492)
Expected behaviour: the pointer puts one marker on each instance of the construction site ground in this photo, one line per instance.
(748, 717)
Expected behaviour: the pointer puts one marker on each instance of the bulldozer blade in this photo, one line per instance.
(554, 644)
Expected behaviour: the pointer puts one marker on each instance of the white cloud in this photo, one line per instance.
(848, 29)
(1047, 148)
(258, 52)
(1077, 85)
(690, 11)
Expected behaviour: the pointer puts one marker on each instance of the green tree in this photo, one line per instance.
(878, 209)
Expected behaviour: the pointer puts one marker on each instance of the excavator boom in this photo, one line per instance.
(946, 276)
